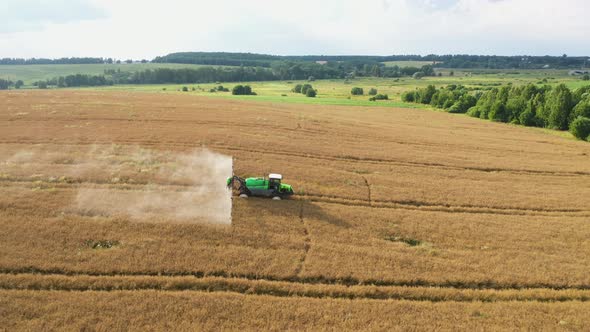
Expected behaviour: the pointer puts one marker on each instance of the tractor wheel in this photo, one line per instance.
(243, 196)
(276, 198)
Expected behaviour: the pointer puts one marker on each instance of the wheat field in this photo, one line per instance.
(402, 217)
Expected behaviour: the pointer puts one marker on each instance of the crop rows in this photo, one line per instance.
(401, 213)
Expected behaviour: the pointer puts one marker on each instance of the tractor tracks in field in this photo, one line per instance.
(282, 287)
(447, 208)
(340, 158)
(368, 190)
(75, 184)
(306, 241)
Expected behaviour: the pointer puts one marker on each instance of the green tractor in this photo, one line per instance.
(261, 187)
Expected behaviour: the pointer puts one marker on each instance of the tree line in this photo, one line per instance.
(528, 105)
(278, 71)
(61, 61)
(442, 61)
(7, 84)
(267, 61)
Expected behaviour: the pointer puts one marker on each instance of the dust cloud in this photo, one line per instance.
(188, 188)
(141, 184)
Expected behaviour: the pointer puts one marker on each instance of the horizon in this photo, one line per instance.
(305, 55)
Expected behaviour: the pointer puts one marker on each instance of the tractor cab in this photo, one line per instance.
(274, 181)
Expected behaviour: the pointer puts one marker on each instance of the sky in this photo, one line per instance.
(144, 29)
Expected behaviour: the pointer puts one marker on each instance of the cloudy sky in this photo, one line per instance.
(147, 28)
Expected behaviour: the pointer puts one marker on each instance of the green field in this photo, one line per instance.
(32, 73)
(330, 92)
(337, 92)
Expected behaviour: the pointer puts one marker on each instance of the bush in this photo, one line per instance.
(184, 89)
(19, 84)
(425, 95)
(580, 127)
(379, 97)
(586, 77)
(498, 112)
(305, 87)
(5, 84)
(458, 107)
(297, 88)
(372, 92)
(42, 85)
(582, 109)
(356, 91)
(242, 90)
(527, 118)
(449, 103)
(311, 93)
(475, 112)
(221, 88)
(408, 97)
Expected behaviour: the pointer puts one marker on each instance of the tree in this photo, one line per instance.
(580, 128)
(452, 73)
(372, 92)
(356, 91)
(242, 90)
(409, 97)
(376, 71)
(18, 84)
(4, 84)
(311, 93)
(559, 106)
(582, 109)
(42, 85)
(305, 87)
(586, 77)
(418, 75)
(529, 116)
(428, 70)
(238, 90)
(498, 112)
(424, 96)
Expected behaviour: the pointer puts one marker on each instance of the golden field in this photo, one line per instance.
(402, 217)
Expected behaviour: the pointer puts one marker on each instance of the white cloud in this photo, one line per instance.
(26, 15)
(145, 29)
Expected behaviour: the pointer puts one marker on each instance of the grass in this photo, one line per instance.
(330, 92)
(337, 92)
